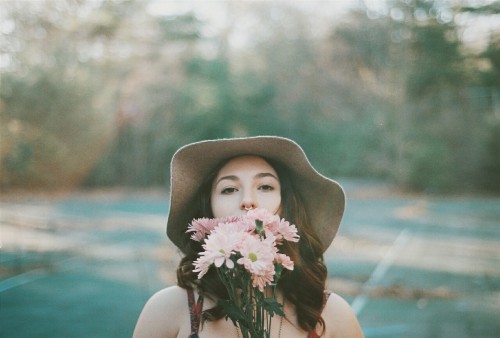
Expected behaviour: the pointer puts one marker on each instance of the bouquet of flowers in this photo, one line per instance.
(245, 253)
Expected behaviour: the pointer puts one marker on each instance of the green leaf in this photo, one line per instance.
(272, 306)
(233, 312)
(259, 227)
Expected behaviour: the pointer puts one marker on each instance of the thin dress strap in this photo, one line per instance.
(326, 295)
(194, 312)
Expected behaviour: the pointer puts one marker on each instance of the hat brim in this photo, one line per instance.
(323, 198)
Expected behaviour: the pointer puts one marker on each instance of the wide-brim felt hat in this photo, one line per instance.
(323, 198)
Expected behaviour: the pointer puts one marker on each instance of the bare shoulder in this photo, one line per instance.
(340, 319)
(164, 315)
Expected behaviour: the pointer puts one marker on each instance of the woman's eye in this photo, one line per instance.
(229, 190)
(266, 187)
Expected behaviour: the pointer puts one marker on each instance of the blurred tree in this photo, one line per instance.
(413, 77)
(437, 105)
(52, 121)
(146, 129)
(69, 70)
(486, 101)
(368, 93)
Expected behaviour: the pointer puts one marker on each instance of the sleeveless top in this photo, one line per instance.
(195, 309)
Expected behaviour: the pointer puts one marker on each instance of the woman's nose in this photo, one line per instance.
(248, 202)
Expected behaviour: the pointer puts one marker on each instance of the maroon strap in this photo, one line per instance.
(194, 312)
(313, 334)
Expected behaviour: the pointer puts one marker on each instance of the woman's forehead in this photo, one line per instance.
(244, 163)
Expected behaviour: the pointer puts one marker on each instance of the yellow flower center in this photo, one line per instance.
(253, 257)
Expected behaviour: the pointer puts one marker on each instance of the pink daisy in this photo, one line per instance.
(263, 279)
(219, 246)
(257, 255)
(201, 227)
(288, 231)
(284, 260)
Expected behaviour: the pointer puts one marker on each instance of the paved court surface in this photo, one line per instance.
(82, 265)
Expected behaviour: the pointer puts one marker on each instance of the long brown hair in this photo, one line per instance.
(303, 287)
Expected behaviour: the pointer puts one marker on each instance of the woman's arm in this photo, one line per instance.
(164, 315)
(340, 320)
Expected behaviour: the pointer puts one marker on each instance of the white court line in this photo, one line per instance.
(380, 270)
(22, 279)
(38, 273)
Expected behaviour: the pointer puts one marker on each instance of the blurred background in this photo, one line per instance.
(397, 99)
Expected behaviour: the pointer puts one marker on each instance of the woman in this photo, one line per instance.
(228, 177)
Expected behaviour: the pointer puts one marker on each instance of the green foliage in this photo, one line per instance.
(491, 76)
(434, 137)
(490, 180)
(105, 92)
(183, 27)
(42, 117)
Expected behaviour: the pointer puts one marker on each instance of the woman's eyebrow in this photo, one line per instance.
(236, 178)
(261, 175)
(228, 177)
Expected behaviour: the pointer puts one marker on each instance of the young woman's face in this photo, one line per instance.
(245, 183)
